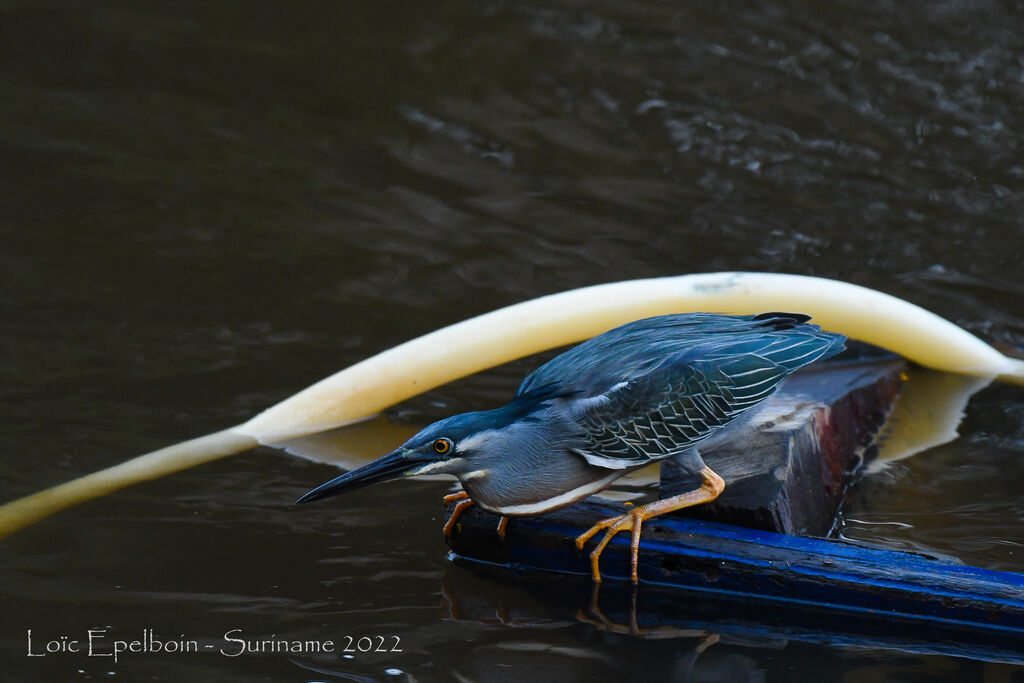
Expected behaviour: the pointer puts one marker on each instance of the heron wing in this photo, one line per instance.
(690, 396)
(637, 348)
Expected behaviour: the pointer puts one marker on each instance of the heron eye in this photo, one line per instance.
(442, 446)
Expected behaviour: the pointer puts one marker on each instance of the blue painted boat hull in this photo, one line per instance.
(818, 586)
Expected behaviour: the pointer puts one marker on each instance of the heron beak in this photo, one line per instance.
(392, 466)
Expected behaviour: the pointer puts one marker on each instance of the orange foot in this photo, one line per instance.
(634, 519)
(463, 503)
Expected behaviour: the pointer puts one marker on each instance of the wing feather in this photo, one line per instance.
(637, 348)
(690, 396)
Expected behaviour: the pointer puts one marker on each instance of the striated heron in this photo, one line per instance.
(652, 389)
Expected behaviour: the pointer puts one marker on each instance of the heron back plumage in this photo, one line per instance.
(658, 386)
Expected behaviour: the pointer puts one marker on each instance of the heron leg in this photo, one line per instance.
(463, 502)
(711, 488)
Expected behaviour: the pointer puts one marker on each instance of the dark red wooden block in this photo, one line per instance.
(789, 471)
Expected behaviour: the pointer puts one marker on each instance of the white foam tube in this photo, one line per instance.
(532, 326)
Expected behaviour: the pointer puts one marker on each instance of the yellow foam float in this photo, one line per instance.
(485, 341)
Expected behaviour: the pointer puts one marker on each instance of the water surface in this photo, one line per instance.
(208, 206)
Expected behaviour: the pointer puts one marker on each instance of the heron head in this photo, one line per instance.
(445, 447)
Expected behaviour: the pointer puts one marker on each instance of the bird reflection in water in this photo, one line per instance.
(569, 631)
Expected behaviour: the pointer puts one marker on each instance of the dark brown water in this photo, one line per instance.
(207, 206)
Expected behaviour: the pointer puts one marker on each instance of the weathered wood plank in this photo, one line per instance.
(764, 568)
